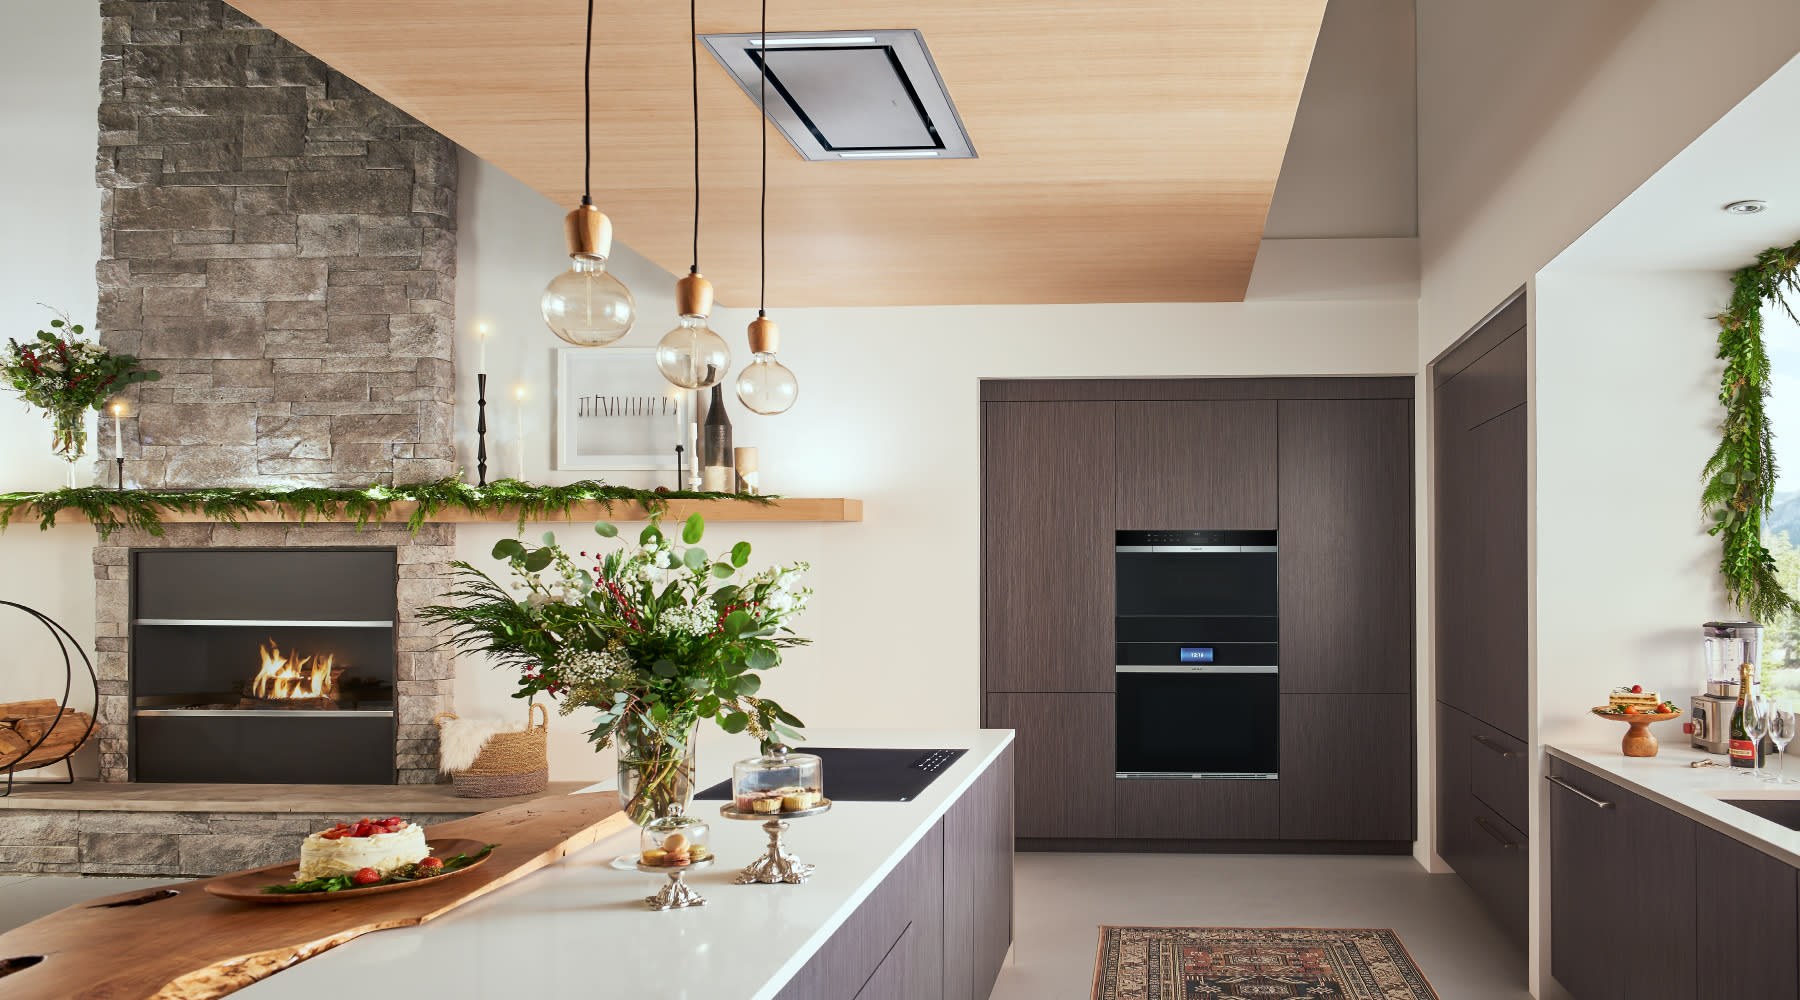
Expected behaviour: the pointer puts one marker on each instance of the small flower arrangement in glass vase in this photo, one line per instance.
(655, 638)
(67, 376)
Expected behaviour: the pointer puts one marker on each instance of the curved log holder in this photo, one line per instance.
(29, 760)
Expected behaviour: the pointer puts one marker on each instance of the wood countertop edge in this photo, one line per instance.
(818, 510)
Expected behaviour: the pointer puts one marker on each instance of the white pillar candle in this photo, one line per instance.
(481, 334)
(118, 436)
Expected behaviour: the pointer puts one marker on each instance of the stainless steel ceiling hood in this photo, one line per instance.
(849, 95)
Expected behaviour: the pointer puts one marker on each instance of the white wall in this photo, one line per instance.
(51, 217)
(888, 413)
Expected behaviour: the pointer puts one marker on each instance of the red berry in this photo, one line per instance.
(395, 821)
(1637, 689)
(431, 863)
(366, 876)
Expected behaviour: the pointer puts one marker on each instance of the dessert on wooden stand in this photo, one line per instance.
(777, 787)
(369, 855)
(1638, 708)
(379, 846)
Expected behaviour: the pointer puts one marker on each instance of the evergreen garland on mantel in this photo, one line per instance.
(1740, 476)
(111, 509)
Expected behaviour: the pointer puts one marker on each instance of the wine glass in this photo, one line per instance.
(1782, 731)
(1756, 726)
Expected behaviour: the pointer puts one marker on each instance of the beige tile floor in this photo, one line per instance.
(1062, 899)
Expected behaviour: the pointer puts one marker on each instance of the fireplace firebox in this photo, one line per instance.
(263, 665)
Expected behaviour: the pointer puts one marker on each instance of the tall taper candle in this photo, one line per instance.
(481, 332)
(519, 394)
(118, 437)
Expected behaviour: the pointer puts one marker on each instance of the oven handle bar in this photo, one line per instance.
(1189, 668)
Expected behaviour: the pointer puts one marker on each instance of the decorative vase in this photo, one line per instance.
(654, 775)
(716, 473)
(69, 437)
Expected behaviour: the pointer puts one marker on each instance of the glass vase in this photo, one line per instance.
(654, 775)
(69, 438)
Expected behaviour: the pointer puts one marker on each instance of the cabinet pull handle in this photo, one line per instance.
(1497, 748)
(1557, 780)
(1488, 828)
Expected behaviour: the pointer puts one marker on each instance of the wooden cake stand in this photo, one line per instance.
(1639, 741)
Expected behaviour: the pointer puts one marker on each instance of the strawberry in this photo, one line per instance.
(1637, 689)
(395, 821)
(366, 876)
(431, 863)
(333, 835)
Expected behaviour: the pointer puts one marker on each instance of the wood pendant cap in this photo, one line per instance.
(765, 336)
(588, 232)
(693, 296)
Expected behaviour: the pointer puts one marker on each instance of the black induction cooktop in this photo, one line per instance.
(865, 774)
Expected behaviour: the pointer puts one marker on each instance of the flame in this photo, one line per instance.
(291, 676)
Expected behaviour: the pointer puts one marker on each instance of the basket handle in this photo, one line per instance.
(438, 719)
(530, 714)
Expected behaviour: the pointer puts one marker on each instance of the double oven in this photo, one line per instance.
(1198, 655)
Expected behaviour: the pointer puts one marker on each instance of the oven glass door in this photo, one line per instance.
(1198, 723)
(1165, 583)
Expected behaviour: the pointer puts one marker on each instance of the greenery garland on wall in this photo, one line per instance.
(111, 510)
(1740, 476)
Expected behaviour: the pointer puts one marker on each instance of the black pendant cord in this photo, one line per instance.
(762, 218)
(694, 68)
(587, 113)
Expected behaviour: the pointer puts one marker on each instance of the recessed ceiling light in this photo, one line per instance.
(823, 40)
(1749, 206)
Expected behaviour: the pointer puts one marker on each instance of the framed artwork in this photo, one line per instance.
(615, 412)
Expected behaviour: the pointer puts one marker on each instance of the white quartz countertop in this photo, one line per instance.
(579, 928)
(1696, 792)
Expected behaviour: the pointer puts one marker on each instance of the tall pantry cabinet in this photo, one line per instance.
(1324, 462)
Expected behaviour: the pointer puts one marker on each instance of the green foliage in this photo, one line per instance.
(406, 873)
(1740, 476)
(66, 376)
(111, 510)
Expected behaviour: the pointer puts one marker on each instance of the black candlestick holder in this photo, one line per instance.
(121, 460)
(678, 467)
(481, 429)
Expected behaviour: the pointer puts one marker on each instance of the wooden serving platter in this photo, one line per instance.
(252, 886)
(181, 942)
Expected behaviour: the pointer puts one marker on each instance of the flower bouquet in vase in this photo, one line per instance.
(653, 638)
(67, 376)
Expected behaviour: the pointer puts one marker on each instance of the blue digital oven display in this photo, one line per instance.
(1196, 654)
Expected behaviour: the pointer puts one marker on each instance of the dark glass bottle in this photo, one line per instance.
(716, 472)
(1744, 753)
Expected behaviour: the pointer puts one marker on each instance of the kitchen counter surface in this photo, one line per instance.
(1696, 792)
(579, 928)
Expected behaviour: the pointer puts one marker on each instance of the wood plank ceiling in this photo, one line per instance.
(1128, 151)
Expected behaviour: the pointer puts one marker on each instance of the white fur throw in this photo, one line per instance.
(460, 740)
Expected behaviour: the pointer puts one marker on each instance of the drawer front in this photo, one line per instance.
(1498, 868)
(1498, 772)
(1454, 833)
(1198, 809)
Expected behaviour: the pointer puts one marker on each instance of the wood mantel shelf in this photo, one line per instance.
(788, 509)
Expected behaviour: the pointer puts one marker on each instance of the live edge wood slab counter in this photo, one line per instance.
(189, 945)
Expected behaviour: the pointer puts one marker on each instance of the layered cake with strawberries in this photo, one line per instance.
(347, 848)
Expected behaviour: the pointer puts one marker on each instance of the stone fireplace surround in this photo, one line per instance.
(423, 672)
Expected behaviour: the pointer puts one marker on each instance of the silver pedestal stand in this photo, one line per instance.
(677, 894)
(776, 865)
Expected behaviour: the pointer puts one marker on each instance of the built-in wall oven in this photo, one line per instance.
(1198, 668)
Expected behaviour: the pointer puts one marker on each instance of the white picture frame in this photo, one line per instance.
(615, 412)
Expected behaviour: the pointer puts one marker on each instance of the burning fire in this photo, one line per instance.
(291, 676)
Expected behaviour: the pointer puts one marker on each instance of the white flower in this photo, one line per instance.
(665, 558)
(690, 619)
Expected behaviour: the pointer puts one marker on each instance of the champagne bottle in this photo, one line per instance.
(1744, 753)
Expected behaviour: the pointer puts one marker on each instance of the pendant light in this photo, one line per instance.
(692, 356)
(585, 305)
(765, 386)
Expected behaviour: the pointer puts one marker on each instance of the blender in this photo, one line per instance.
(1729, 645)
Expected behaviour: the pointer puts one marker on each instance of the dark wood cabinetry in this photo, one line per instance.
(1328, 464)
(1047, 546)
(1346, 545)
(1749, 952)
(1195, 464)
(1065, 761)
(1622, 883)
(1346, 767)
(978, 881)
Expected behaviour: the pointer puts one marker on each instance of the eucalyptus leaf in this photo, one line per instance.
(747, 684)
(740, 554)
(605, 530)
(508, 548)
(663, 668)
(695, 527)
(694, 558)
(538, 560)
(734, 722)
(722, 570)
(762, 658)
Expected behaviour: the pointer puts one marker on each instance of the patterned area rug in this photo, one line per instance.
(1255, 963)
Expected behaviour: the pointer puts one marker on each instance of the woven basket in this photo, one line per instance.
(509, 763)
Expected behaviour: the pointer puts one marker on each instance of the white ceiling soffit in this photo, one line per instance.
(849, 95)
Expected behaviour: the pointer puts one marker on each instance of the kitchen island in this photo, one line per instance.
(910, 901)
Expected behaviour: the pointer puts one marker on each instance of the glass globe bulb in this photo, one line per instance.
(588, 307)
(767, 387)
(692, 356)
